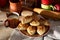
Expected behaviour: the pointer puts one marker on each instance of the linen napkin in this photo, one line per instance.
(16, 35)
(54, 29)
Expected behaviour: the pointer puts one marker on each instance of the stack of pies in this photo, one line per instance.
(32, 25)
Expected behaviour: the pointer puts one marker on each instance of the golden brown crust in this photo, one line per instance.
(31, 30)
(25, 20)
(41, 30)
(35, 23)
(22, 26)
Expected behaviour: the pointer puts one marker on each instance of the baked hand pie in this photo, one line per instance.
(46, 23)
(41, 30)
(31, 30)
(25, 20)
(22, 26)
(26, 13)
(35, 23)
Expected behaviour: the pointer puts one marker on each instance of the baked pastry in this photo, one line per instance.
(46, 23)
(22, 26)
(25, 20)
(31, 30)
(41, 30)
(35, 23)
(26, 13)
